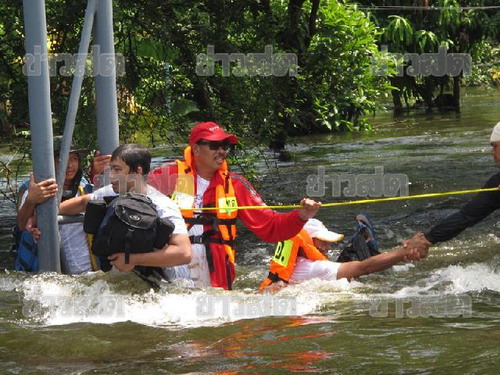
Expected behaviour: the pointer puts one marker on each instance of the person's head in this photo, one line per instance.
(73, 169)
(209, 145)
(495, 144)
(129, 163)
(321, 236)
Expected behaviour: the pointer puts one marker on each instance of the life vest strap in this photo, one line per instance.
(208, 220)
(274, 277)
(205, 240)
(196, 240)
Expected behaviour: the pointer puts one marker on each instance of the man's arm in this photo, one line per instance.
(472, 213)
(74, 205)
(350, 270)
(269, 225)
(177, 252)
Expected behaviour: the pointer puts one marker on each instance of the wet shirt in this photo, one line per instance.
(165, 207)
(472, 213)
(199, 271)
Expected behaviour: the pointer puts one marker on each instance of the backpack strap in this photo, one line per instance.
(128, 240)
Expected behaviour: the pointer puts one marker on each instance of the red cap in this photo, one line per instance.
(210, 131)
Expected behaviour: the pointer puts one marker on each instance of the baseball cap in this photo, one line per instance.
(495, 135)
(317, 229)
(210, 131)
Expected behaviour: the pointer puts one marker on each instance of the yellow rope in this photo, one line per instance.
(348, 203)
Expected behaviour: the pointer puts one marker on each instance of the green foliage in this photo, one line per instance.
(454, 24)
(338, 68)
(399, 32)
(333, 90)
(486, 67)
(426, 41)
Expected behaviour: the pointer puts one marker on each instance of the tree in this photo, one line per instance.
(433, 24)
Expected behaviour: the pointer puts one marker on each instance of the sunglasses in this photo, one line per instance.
(214, 146)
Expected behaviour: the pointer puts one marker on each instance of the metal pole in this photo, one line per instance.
(105, 80)
(41, 129)
(76, 89)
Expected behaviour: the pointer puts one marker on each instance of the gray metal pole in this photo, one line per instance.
(76, 90)
(105, 79)
(41, 129)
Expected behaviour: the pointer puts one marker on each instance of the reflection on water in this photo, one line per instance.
(438, 315)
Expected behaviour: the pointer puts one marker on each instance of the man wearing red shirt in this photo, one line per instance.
(203, 179)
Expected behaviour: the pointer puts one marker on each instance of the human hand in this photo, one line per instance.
(31, 227)
(308, 209)
(411, 254)
(99, 162)
(418, 247)
(118, 261)
(42, 191)
(274, 287)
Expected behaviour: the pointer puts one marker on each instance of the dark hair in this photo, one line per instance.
(75, 182)
(135, 156)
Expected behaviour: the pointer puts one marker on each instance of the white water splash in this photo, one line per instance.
(476, 277)
(8, 284)
(53, 299)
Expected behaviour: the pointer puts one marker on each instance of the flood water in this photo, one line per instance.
(441, 315)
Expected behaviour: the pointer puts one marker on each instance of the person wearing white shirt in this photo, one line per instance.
(129, 164)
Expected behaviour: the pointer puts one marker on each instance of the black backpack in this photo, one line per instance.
(127, 224)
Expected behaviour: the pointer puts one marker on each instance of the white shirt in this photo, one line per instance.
(198, 267)
(307, 269)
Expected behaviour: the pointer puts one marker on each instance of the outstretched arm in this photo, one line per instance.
(269, 225)
(74, 205)
(350, 270)
(469, 215)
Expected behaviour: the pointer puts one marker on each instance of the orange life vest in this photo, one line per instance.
(285, 257)
(224, 217)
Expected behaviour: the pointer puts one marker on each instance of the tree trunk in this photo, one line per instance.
(312, 20)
